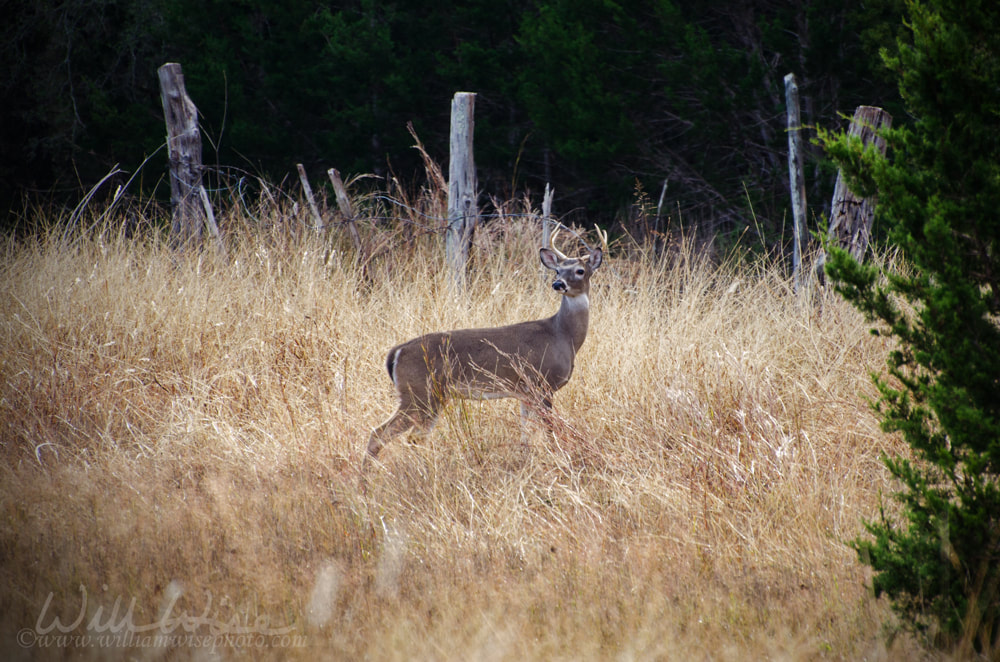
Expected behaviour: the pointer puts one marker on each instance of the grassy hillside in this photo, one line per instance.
(181, 436)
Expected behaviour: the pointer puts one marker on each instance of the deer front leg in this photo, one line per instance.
(538, 410)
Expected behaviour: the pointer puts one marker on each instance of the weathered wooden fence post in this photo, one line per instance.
(187, 195)
(796, 178)
(463, 210)
(851, 215)
(547, 222)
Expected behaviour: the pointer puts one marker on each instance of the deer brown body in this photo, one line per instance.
(528, 361)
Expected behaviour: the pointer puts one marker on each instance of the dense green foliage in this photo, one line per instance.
(939, 193)
(594, 96)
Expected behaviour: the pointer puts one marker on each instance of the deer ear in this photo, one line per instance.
(548, 258)
(596, 257)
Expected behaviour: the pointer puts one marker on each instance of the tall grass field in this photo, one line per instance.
(182, 433)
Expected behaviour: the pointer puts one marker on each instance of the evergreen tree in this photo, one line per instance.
(938, 191)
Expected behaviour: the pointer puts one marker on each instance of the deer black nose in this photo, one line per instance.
(559, 286)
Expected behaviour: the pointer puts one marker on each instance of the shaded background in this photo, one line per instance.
(603, 99)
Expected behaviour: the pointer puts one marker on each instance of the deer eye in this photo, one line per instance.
(580, 272)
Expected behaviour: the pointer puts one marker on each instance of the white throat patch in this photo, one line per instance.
(579, 302)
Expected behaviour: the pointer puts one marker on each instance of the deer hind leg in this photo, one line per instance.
(410, 414)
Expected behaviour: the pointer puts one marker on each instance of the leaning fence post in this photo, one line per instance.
(184, 153)
(658, 230)
(346, 209)
(463, 211)
(310, 200)
(851, 215)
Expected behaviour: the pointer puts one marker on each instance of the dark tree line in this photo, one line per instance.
(595, 96)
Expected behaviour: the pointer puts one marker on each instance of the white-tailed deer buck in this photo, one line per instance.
(528, 361)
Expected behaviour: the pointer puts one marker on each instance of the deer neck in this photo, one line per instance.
(573, 317)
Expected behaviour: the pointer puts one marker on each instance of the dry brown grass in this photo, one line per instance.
(182, 426)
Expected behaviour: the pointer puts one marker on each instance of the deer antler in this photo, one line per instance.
(552, 244)
(603, 236)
